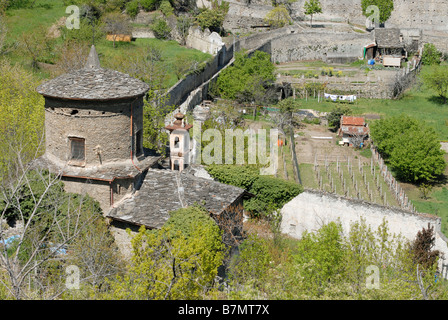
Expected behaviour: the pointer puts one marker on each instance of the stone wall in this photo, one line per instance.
(311, 210)
(336, 11)
(205, 41)
(421, 14)
(429, 16)
(99, 190)
(319, 45)
(242, 17)
(104, 126)
(193, 84)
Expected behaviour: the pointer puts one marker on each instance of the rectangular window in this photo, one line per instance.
(139, 142)
(77, 149)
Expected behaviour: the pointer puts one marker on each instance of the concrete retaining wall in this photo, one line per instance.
(312, 209)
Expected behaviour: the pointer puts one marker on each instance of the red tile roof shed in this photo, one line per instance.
(352, 121)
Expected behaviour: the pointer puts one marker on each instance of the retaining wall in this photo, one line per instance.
(312, 209)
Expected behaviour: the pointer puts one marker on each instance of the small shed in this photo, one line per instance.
(390, 46)
(353, 131)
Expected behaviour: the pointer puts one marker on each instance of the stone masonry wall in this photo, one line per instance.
(319, 45)
(106, 125)
(311, 210)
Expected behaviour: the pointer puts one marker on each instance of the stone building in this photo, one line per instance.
(94, 131)
(94, 141)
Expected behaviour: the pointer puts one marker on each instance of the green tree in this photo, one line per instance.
(247, 76)
(430, 55)
(312, 7)
(132, 8)
(278, 17)
(270, 193)
(251, 263)
(385, 8)
(411, 147)
(161, 28)
(166, 8)
(179, 261)
(213, 18)
(436, 78)
(21, 116)
(320, 256)
(334, 117)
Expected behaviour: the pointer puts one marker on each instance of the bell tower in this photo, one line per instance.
(179, 142)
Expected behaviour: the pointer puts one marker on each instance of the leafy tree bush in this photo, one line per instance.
(161, 28)
(411, 147)
(278, 17)
(320, 255)
(270, 193)
(251, 263)
(239, 176)
(385, 8)
(430, 55)
(132, 8)
(245, 72)
(312, 7)
(179, 261)
(213, 18)
(334, 117)
(166, 8)
(436, 78)
(149, 5)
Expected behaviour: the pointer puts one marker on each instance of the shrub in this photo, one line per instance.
(252, 261)
(149, 5)
(411, 147)
(239, 176)
(132, 8)
(161, 28)
(270, 193)
(166, 8)
(431, 56)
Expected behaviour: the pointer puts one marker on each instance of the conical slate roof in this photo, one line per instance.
(93, 83)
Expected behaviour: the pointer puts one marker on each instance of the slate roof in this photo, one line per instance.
(105, 172)
(388, 38)
(93, 83)
(164, 191)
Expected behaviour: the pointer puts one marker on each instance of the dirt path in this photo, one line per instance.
(320, 141)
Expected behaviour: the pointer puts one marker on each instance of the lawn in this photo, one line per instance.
(170, 51)
(416, 102)
(47, 12)
(43, 15)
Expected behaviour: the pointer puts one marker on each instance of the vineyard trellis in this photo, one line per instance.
(354, 178)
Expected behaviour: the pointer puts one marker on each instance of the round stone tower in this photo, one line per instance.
(94, 129)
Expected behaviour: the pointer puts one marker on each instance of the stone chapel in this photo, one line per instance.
(94, 141)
